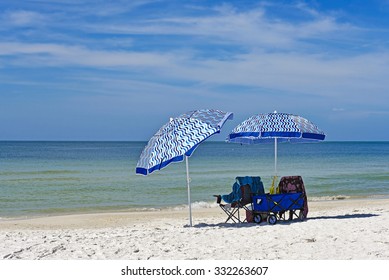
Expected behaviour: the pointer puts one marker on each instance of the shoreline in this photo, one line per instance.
(334, 230)
(195, 205)
(95, 219)
(175, 211)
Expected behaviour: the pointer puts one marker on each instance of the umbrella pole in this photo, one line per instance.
(188, 183)
(275, 156)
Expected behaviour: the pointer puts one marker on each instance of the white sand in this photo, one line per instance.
(336, 230)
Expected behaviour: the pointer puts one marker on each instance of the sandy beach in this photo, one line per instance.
(335, 230)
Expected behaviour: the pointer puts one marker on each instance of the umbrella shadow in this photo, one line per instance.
(287, 222)
(226, 225)
(346, 216)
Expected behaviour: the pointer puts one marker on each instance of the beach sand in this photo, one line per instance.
(335, 230)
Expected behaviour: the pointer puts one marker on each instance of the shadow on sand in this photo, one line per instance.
(346, 216)
(287, 222)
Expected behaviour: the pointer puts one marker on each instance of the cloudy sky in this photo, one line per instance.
(117, 70)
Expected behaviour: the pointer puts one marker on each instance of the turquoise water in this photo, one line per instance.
(45, 178)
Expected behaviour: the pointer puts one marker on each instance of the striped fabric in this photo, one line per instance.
(179, 137)
(284, 127)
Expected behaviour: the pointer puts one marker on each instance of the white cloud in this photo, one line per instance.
(23, 18)
(346, 78)
(62, 55)
(253, 29)
(314, 56)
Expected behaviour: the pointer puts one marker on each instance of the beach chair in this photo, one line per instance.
(294, 184)
(240, 198)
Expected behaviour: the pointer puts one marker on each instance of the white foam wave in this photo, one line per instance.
(203, 204)
(327, 198)
(196, 205)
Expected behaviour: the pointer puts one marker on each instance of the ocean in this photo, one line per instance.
(50, 178)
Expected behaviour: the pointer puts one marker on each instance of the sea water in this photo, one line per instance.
(49, 178)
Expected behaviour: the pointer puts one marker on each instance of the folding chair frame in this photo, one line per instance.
(233, 212)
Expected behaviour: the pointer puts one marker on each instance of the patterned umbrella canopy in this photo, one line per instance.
(275, 127)
(178, 138)
(284, 127)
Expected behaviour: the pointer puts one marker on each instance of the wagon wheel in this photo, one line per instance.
(272, 219)
(258, 219)
(302, 217)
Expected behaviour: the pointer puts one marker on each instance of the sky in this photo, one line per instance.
(117, 70)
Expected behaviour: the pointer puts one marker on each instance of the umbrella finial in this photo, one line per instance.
(171, 119)
(275, 111)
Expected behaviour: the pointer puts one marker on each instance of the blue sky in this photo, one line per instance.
(117, 70)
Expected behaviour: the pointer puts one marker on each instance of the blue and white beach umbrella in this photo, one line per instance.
(277, 127)
(178, 139)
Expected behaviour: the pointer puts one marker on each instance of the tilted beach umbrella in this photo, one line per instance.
(178, 139)
(275, 127)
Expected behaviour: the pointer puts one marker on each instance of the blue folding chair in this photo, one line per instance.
(241, 196)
